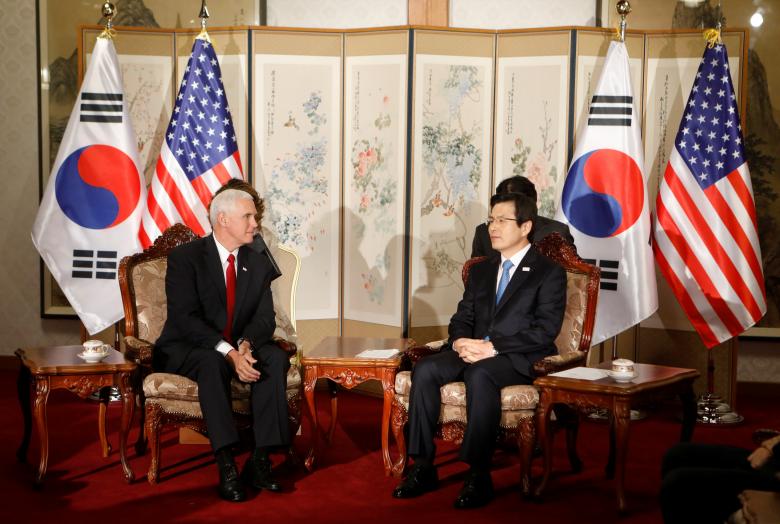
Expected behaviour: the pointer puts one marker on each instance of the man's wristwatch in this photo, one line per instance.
(495, 351)
(242, 340)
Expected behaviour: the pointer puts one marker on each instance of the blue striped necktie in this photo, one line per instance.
(504, 282)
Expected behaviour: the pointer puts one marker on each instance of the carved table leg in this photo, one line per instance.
(545, 436)
(23, 384)
(388, 389)
(309, 381)
(688, 400)
(622, 418)
(41, 398)
(333, 388)
(397, 423)
(609, 470)
(128, 406)
(105, 446)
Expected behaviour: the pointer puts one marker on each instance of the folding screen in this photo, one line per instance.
(383, 215)
(375, 135)
(532, 106)
(296, 122)
(451, 131)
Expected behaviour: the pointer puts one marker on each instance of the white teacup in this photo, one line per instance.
(95, 347)
(623, 366)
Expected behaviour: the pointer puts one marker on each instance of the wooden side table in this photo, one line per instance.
(618, 398)
(58, 367)
(335, 358)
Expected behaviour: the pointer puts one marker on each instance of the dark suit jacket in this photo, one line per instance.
(524, 324)
(195, 289)
(543, 226)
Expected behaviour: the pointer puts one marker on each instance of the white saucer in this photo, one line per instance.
(92, 358)
(621, 377)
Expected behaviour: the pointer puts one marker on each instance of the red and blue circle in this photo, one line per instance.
(604, 193)
(98, 186)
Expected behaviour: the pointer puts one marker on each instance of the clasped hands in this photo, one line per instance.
(473, 350)
(243, 363)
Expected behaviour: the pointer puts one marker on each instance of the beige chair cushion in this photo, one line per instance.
(174, 387)
(150, 301)
(510, 418)
(454, 394)
(568, 339)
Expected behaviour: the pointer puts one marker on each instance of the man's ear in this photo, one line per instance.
(526, 226)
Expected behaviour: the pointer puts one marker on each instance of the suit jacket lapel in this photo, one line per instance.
(214, 267)
(243, 276)
(518, 277)
(492, 281)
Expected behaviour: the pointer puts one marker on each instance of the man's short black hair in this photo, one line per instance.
(525, 208)
(517, 184)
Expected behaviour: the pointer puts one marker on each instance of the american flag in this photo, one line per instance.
(706, 240)
(200, 152)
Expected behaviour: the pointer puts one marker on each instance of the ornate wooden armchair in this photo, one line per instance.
(518, 403)
(172, 400)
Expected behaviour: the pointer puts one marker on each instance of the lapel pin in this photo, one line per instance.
(525, 268)
(243, 268)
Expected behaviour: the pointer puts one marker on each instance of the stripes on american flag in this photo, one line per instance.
(199, 154)
(706, 240)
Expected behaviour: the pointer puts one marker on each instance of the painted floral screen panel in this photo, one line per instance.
(374, 187)
(453, 113)
(297, 155)
(531, 117)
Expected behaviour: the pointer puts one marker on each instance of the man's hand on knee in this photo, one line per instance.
(242, 362)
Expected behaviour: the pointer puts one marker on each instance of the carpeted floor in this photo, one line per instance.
(348, 486)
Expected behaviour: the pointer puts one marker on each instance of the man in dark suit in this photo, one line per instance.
(220, 323)
(510, 314)
(543, 226)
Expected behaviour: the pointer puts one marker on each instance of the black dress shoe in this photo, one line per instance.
(421, 479)
(477, 491)
(257, 473)
(230, 487)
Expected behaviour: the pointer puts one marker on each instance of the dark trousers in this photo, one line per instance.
(484, 380)
(701, 482)
(268, 396)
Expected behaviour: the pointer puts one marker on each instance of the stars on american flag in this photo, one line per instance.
(202, 133)
(710, 140)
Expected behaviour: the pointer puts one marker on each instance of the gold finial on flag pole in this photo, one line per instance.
(623, 7)
(204, 16)
(712, 36)
(108, 11)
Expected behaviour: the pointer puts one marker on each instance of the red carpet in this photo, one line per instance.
(348, 486)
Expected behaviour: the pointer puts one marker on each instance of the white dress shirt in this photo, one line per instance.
(223, 346)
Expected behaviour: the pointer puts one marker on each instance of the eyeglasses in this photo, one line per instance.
(499, 220)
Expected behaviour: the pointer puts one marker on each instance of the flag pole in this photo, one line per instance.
(623, 7)
(204, 16)
(711, 406)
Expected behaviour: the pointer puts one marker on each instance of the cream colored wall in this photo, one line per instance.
(20, 322)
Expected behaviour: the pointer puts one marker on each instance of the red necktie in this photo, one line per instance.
(230, 289)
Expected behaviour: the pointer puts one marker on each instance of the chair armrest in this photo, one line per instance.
(555, 363)
(139, 351)
(288, 347)
(410, 357)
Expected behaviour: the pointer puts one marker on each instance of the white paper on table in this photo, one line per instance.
(377, 353)
(582, 373)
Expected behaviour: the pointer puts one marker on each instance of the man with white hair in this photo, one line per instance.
(220, 323)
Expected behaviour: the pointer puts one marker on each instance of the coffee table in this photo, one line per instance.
(58, 367)
(651, 381)
(335, 358)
